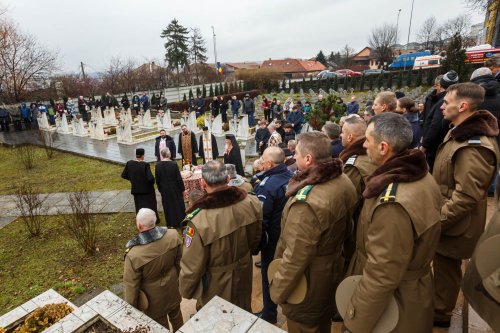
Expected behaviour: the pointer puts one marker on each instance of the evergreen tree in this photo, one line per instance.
(221, 88)
(455, 58)
(328, 84)
(420, 77)
(197, 50)
(430, 78)
(362, 83)
(216, 92)
(231, 88)
(204, 91)
(303, 83)
(226, 88)
(184, 97)
(399, 84)
(389, 81)
(380, 81)
(346, 83)
(321, 58)
(176, 47)
(191, 93)
(354, 82)
(370, 83)
(198, 92)
(336, 83)
(310, 82)
(211, 91)
(283, 84)
(408, 78)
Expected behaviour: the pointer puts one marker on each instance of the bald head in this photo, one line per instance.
(145, 219)
(274, 154)
(354, 128)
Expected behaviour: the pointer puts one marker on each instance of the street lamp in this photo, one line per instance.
(409, 29)
(215, 49)
(397, 25)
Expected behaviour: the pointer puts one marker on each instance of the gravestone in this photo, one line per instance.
(192, 122)
(110, 117)
(79, 127)
(97, 129)
(217, 126)
(62, 125)
(147, 122)
(124, 131)
(243, 128)
(43, 121)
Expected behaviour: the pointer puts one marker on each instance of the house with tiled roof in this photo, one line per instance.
(293, 68)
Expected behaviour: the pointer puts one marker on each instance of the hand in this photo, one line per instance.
(422, 149)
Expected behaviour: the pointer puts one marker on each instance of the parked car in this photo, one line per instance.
(348, 72)
(328, 75)
(368, 72)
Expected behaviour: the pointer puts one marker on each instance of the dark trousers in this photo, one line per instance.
(269, 311)
(147, 200)
(267, 115)
(447, 279)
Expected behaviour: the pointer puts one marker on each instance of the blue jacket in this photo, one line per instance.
(145, 102)
(336, 148)
(42, 108)
(352, 108)
(271, 192)
(25, 111)
(235, 106)
(296, 119)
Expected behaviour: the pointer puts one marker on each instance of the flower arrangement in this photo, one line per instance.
(44, 317)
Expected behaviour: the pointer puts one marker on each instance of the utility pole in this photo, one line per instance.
(215, 48)
(83, 70)
(409, 29)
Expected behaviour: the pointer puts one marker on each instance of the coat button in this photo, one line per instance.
(351, 313)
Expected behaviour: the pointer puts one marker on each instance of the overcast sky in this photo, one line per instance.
(93, 31)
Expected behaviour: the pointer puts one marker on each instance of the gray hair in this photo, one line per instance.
(214, 173)
(165, 153)
(393, 129)
(493, 61)
(480, 72)
(332, 130)
(146, 218)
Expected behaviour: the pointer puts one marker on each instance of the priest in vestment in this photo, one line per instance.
(208, 146)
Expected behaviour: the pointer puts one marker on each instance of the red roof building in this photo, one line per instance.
(294, 67)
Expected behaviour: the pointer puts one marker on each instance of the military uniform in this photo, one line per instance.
(472, 287)
(313, 229)
(398, 232)
(463, 170)
(154, 268)
(219, 243)
(358, 168)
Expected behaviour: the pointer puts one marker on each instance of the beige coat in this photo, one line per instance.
(484, 305)
(313, 230)
(154, 269)
(219, 255)
(464, 171)
(396, 241)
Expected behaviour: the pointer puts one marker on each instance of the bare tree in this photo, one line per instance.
(381, 40)
(478, 4)
(29, 202)
(347, 55)
(427, 33)
(459, 25)
(24, 63)
(111, 78)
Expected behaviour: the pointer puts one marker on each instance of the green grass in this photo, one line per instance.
(63, 173)
(29, 266)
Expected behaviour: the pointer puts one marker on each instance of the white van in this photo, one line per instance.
(430, 61)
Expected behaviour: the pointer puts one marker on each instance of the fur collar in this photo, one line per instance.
(224, 197)
(480, 123)
(317, 174)
(406, 167)
(355, 149)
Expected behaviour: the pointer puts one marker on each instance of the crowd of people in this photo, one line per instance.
(395, 197)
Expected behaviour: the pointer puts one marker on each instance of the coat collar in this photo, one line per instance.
(480, 123)
(317, 174)
(224, 197)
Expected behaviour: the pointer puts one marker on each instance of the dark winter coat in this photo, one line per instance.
(336, 148)
(248, 106)
(435, 129)
(289, 136)
(352, 108)
(171, 187)
(170, 144)
(491, 97)
(296, 119)
(412, 118)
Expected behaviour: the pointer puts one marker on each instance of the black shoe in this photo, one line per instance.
(259, 265)
(442, 323)
(272, 320)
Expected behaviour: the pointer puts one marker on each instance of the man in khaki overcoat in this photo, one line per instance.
(464, 168)
(358, 167)
(223, 229)
(152, 265)
(398, 232)
(313, 228)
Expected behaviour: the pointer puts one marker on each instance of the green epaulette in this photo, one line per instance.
(302, 194)
(390, 193)
(127, 250)
(189, 217)
(252, 193)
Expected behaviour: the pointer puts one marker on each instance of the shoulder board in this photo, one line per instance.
(127, 250)
(302, 194)
(192, 214)
(351, 160)
(263, 181)
(390, 193)
(252, 193)
(475, 141)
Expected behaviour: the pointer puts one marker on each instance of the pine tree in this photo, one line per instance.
(216, 92)
(226, 88)
(370, 83)
(399, 84)
(362, 83)
(231, 88)
(211, 91)
(303, 83)
(408, 78)
(184, 97)
(420, 77)
(197, 50)
(321, 58)
(336, 84)
(283, 84)
(198, 92)
(346, 83)
(455, 57)
(176, 47)
(191, 93)
(380, 81)
(221, 89)
(204, 91)
(389, 81)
